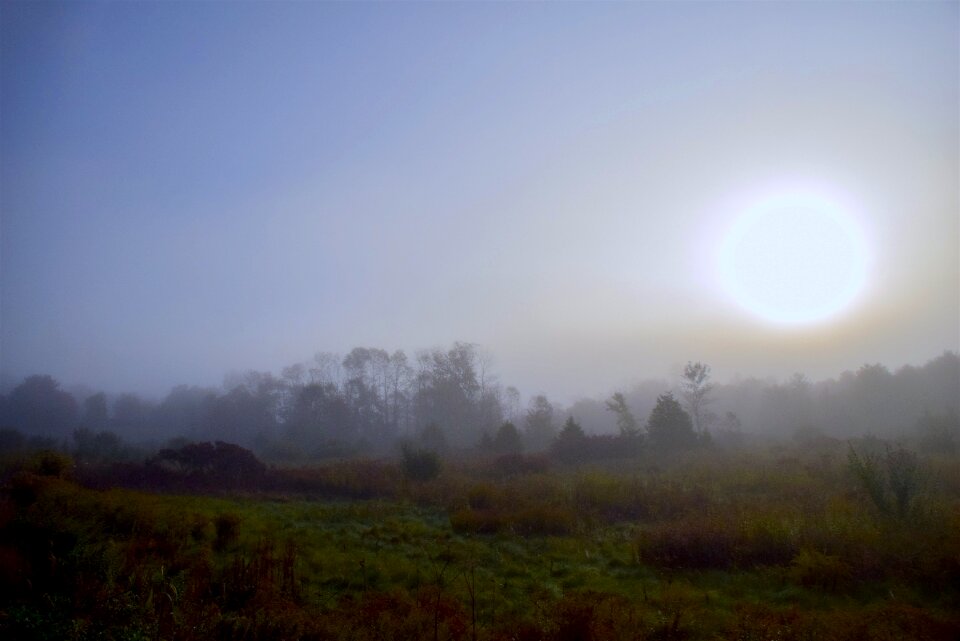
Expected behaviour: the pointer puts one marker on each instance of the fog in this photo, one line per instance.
(479, 320)
(453, 400)
(190, 190)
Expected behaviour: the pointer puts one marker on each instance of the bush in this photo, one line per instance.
(715, 541)
(476, 521)
(11, 440)
(50, 463)
(227, 528)
(814, 569)
(357, 479)
(216, 465)
(609, 498)
(483, 496)
(892, 481)
(419, 465)
(510, 464)
(541, 520)
(939, 433)
(531, 520)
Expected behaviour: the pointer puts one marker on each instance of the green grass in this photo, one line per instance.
(708, 549)
(349, 548)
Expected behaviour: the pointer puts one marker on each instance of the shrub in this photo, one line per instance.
(198, 527)
(419, 465)
(715, 541)
(939, 433)
(530, 520)
(814, 569)
(24, 488)
(602, 447)
(540, 520)
(357, 479)
(50, 463)
(892, 481)
(11, 440)
(476, 521)
(511, 464)
(217, 465)
(227, 528)
(609, 498)
(484, 496)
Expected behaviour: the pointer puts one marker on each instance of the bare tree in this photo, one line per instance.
(512, 406)
(327, 368)
(696, 389)
(401, 379)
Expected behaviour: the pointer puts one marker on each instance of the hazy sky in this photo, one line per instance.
(194, 188)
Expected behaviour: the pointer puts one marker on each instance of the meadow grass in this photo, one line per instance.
(704, 548)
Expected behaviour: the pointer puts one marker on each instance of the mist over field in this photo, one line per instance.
(480, 321)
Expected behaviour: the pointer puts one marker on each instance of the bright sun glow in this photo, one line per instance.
(794, 259)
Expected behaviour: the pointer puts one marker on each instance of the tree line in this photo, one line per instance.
(331, 404)
(369, 399)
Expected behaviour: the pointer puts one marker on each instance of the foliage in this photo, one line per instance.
(50, 463)
(433, 438)
(891, 481)
(227, 530)
(696, 390)
(770, 544)
(716, 541)
(540, 430)
(939, 433)
(520, 464)
(527, 520)
(223, 465)
(669, 428)
(355, 479)
(626, 422)
(98, 447)
(419, 464)
(38, 406)
(507, 440)
(568, 446)
(812, 568)
(356, 405)
(11, 441)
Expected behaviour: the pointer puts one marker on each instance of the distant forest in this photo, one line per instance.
(370, 400)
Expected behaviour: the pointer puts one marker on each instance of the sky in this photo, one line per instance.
(190, 189)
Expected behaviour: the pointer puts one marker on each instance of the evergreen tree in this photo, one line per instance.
(507, 440)
(669, 427)
(569, 445)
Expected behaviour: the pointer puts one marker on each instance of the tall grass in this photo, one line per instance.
(781, 545)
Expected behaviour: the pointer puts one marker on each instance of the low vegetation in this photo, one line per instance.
(860, 541)
(425, 512)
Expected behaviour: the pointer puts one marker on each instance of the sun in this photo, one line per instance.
(794, 259)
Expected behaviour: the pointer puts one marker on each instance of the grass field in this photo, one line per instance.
(783, 545)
